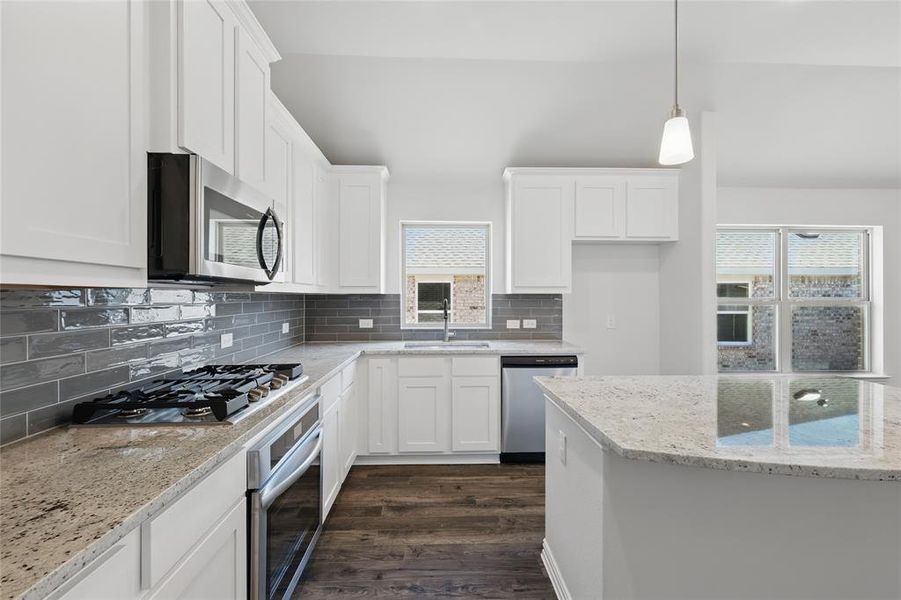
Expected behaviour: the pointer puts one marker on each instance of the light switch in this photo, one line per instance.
(529, 323)
(365, 323)
(562, 439)
(512, 323)
(611, 321)
(285, 327)
(227, 340)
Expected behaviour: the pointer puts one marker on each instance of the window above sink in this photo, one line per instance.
(445, 261)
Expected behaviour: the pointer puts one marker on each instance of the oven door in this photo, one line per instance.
(285, 522)
(238, 234)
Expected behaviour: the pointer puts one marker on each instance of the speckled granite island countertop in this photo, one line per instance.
(791, 425)
(70, 494)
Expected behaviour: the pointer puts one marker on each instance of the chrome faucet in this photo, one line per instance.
(447, 334)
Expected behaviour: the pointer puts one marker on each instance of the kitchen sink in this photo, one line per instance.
(447, 345)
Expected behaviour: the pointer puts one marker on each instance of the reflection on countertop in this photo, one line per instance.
(793, 425)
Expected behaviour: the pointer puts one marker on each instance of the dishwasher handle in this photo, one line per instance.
(532, 362)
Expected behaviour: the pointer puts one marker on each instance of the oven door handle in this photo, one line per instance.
(272, 490)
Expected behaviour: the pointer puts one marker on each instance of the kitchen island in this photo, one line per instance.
(723, 487)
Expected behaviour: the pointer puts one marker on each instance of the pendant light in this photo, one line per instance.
(675, 147)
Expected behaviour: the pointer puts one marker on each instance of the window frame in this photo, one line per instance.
(450, 281)
(783, 303)
(488, 225)
(748, 313)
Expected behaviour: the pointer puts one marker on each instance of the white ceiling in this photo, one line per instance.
(807, 92)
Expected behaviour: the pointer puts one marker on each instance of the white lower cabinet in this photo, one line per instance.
(422, 414)
(436, 405)
(330, 459)
(382, 406)
(114, 575)
(476, 410)
(348, 429)
(195, 549)
(216, 569)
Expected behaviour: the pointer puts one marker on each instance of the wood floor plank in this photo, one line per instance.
(435, 531)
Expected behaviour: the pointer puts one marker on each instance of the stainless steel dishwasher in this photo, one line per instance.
(522, 404)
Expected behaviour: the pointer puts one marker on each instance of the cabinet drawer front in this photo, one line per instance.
(348, 375)
(475, 366)
(168, 536)
(330, 390)
(421, 367)
(114, 575)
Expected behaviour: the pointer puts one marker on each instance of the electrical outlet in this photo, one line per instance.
(512, 323)
(529, 323)
(611, 321)
(365, 323)
(285, 327)
(562, 443)
(227, 340)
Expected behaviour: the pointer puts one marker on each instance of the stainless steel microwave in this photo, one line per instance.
(206, 225)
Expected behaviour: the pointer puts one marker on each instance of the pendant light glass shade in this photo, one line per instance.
(676, 147)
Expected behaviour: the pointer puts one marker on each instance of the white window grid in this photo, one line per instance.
(783, 303)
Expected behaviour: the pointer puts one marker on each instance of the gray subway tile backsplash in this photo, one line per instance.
(332, 318)
(61, 346)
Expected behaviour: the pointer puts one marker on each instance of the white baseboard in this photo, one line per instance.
(550, 565)
(428, 459)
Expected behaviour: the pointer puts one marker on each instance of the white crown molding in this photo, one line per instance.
(249, 21)
(574, 171)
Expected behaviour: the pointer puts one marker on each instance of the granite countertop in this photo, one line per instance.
(70, 494)
(836, 427)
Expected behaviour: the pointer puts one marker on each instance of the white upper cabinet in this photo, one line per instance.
(539, 234)
(600, 208)
(548, 209)
(652, 208)
(74, 165)
(361, 228)
(209, 83)
(252, 97)
(279, 134)
(305, 181)
(206, 84)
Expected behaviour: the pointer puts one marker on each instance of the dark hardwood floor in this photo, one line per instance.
(442, 531)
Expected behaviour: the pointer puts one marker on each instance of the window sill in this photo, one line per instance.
(451, 328)
(770, 374)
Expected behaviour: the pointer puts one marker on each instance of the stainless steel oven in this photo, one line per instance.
(285, 490)
(207, 225)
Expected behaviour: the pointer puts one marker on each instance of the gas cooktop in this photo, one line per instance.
(214, 394)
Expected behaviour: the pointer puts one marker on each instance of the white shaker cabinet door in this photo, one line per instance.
(540, 244)
(251, 99)
(476, 409)
(359, 233)
(600, 208)
(217, 568)
(303, 214)
(74, 159)
(330, 459)
(206, 86)
(347, 429)
(652, 208)
(382, 406)
(422, 414)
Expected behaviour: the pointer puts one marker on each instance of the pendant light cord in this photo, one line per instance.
(676, 52)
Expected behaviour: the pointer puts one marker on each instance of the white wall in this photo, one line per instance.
(687, 270)
(864, 207)
(623, 282)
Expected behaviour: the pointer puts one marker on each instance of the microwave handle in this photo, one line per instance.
(272, 490)
(261, 229)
